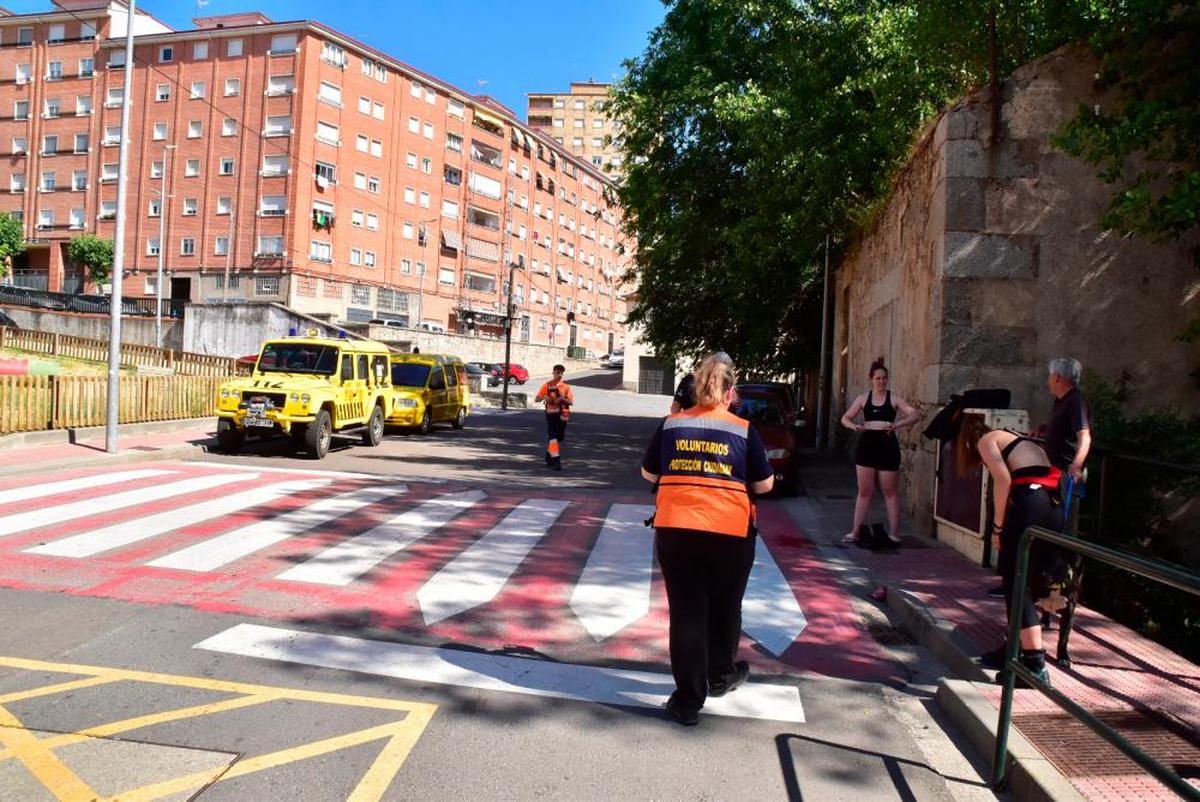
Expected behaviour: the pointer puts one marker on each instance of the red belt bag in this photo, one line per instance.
(1050, 479)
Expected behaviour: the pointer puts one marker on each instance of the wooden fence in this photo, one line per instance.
(34, 403)
(183, 363)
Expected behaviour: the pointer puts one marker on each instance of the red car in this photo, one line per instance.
(515, 373)
(777, 427)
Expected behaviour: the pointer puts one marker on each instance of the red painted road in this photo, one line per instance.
(531, 612)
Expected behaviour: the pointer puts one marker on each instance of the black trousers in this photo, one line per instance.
(706, 576)
(1027, 507)
(556, 430)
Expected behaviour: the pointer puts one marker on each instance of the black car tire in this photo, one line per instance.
(426, 422)
(460, 420)
(512, 379)
(318, 435)
(373, 434)
(229, 437)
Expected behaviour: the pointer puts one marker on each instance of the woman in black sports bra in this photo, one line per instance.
(1025, 493)
(878, 451)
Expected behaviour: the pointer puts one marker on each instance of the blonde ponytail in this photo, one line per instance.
(714, 378)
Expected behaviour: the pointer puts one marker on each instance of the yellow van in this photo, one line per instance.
(428, 389)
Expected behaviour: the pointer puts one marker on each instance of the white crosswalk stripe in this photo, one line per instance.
(108, 538)
(614, 589)
(70, 511)
(347, 561)
(71, 485)
(477, 575)
(770, 613)
(209, 555)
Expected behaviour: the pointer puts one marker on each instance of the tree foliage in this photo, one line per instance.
(755, 129)
(12, 241)
(93, 253)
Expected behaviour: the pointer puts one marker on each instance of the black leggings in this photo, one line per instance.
(1027, 507)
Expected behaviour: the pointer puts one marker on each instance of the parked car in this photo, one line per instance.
(515, 373)
(777, 428)
(429, 389)
(781, 390)
(616, 359)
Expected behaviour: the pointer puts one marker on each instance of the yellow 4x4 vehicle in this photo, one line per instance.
(309, 388)
(429, 389)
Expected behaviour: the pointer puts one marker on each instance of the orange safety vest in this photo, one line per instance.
(703, 484)
(553, 402)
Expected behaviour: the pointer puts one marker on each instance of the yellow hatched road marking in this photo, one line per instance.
(42, 762)
(37, 754)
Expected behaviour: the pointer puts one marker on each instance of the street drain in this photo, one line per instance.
(888, 635)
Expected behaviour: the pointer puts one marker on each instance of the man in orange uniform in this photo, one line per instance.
(559, 398)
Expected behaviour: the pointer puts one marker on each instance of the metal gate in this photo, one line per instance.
(654, 378)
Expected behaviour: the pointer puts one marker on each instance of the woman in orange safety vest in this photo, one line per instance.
(558, 397)
(706, 462)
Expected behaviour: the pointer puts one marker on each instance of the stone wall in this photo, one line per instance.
(134, 330)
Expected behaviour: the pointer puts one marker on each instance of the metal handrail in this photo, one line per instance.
(1156, 570)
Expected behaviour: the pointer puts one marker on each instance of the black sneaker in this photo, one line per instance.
(1043, 674)
(994, 658)
(687, 716)
(741, 673)
(996, 592)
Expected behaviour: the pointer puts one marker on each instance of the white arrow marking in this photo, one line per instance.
(347, 561)
(770, 613)
(71, 485)
(477, 575)
(608, 686)
(146, 495)
(112, 537)
(208, 555)
(614, 589)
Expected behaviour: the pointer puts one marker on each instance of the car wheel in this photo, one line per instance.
(426, 422)
(512, 379)
(229, 437)
(373, 435)
(521, 381)
(317, 436)
(460, 420)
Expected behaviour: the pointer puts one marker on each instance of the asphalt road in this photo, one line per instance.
(129, 675)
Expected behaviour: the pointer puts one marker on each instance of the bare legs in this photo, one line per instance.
(866, 489)
(889, 483)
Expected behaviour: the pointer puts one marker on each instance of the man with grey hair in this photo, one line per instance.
(1069, 432)
(685, 392)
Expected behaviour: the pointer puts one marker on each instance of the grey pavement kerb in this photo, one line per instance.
(831, 489)
(83, 456)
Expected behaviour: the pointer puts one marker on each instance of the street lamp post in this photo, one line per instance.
(162, 247)
(508, 323)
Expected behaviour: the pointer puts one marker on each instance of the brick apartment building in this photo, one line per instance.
(302, 167)
(578, 120)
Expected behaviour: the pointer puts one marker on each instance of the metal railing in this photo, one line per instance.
(1108, 458)
(96, 304)
(1156, 570)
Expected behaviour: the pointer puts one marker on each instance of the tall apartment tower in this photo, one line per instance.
(578, 121)
(288, 162)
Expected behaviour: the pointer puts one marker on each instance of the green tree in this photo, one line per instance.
(93, 253)
(12, 241)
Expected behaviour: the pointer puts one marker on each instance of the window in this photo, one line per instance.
(355, 256)
(270, 246)
(221, 247)
(372, 222)
(165, 54)
(326, 172)
(410, 195)
(332, 54)
(49, 181)
(454, 107)
(56, 34)
(377, 110)
(198, 90)
(424, 200)
(486, 154)
(282, 44)
(108, 210)
(116, 59)
(194, 129)
(373, 184)
(454, 142)
(76, 219)
(275, 164)
(578, 123)
(23, 73)
(83, 105)
(488, 187)
(273, 206)
(414, 125)
(427, 130)
(407, 230)
(224, 205)
(79, 180)
(16, 182)
(360, 180)
(187, 246)
(577, 142)
(200, 50)
(233, 47)
(321, 251)
(153, 247)
(24, 37)
(229, 127)
(410, 160)
(281, 85)
(558, 123)
(356, 218)
(266, 285)
(278, 126)
(426, 165)
(483, 218)
(189, 207)
(369, 258)
(376, 148)
(227, 165)
(54, 71)
(81, 143)
(327, 133)
(361, 143)
(233, 87)
(160, 131)
(446, 275)
(330, 93)
(450, 209)
(453, 175)
(49, 145)
(108, 172)
(87, 31)
(21, 112)
(162, 93)
(597, 142)
(191, 168)
(364, 105)
(53, 107)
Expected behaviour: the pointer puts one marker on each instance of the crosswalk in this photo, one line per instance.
(415, 555)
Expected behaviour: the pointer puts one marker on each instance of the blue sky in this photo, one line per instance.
(517, 46)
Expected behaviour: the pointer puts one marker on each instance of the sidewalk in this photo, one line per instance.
(38, 452)
(1150, 695)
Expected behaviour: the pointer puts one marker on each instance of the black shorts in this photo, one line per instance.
(879, 450)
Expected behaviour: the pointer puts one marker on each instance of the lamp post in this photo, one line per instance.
(421, 268)
(508, 321)
(162, 247)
